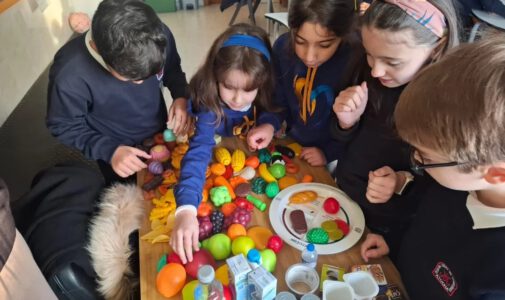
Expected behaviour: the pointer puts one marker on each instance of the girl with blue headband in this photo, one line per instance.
(230, 94)
(309, 63)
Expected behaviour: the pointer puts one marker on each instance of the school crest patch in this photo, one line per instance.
(444, 276)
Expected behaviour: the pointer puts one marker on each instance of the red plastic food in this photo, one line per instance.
(331, 205)
(275, 243)
(200, 258)
(342, 225)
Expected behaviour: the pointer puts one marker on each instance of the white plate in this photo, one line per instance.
(349, 211)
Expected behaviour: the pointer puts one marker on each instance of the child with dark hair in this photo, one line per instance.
(229, 94)
(452, 114)
(375, 169)
(309, 64)
(104, 92)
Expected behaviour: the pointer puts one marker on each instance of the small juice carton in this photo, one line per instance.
(262, 284)
(329, 272)
(238, 268)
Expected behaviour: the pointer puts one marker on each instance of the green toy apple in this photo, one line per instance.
(219, 245)
(268, 259)
(242, 244)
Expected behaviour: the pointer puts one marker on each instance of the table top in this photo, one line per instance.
(151, 253)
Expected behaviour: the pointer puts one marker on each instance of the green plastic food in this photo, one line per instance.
(220, 195)
(272, 190)
(317, 236)
(258, 185)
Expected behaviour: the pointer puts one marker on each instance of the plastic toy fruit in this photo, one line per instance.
(277, 170)
(227, 292)
(275, 243)
(260, 236)
(268, 260)
(174, 258)
(342, 225)
(170, 279)
(200, 258)
(204, 228)
(236, 230)
(331, 205)
(188, 291)
(242, 244)
(222, 274)
(219, 245)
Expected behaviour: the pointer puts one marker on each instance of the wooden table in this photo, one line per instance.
(150, 253)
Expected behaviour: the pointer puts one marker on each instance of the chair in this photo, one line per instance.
(251, 4)
(276, 19)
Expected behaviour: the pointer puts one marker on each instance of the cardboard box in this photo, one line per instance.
(238, 269)
(329, 272)
(262, 284)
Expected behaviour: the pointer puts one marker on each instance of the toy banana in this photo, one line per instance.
(265, 174)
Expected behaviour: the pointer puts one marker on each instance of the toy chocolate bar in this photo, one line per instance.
(298, 221)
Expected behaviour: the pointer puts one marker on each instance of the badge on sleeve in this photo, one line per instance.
(444, 276)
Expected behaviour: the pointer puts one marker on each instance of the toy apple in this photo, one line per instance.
(242, 244)
(200, 258)
(227, 293)
(174, 258)
(188, 291)
(331, 205)
(268, 260)
(275, 243)
(219, 245)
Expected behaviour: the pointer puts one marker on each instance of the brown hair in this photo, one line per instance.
(456, 107)
(387, 16)
(204, 84)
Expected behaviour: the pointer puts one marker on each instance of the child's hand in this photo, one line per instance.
(125, 161)
(350, 105)
(381, 185)
(374, 246)
(314, 156)
(260, 137)
(178, 117)
(185, 235)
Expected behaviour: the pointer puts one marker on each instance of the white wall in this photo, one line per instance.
(31, 31)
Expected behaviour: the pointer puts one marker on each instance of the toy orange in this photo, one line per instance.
(260, 236)
(236, 230)
(252, 161)
(170, 280)
(228, 208)
(204, 209)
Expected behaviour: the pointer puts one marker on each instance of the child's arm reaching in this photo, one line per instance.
(374, 246)
(350, 105)
(383, 183)
(260, 137)
(126, 160)
(314, 156)
(185, 233)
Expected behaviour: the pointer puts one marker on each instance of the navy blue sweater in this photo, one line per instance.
(442, 257)
(91, 110)
(194, 164)
(328, 82)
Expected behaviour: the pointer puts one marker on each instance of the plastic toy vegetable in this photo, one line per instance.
(223, 155)
(303, 197)
(219, 195)
(238, 160)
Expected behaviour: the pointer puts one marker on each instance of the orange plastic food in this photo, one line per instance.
(252, 161)
(228, 208)
(234, 181)
(286, 181)
(205, 195)
(221, 181)
(260, 236)
(292, 168)
(217, 169)
(307, 178)
(209, 183)
(236, 230)
(303, 197)
(204, 209)
(170, 280)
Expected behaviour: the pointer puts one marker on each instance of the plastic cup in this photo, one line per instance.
(364, 285)
(337, 290)
(302, 279)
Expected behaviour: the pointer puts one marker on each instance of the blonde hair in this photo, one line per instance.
(456, 107)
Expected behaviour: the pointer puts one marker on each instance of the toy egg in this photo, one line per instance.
(168, 135)
(160, 153)
(155, 167)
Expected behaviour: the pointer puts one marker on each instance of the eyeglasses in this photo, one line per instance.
(418, 166)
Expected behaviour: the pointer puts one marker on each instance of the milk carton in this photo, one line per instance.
(262, 284)
(238, 268)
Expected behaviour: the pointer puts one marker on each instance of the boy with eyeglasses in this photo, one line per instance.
(453, 115)
(104, 94)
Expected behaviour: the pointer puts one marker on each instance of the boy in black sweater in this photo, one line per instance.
(104, 86)
(453, 115)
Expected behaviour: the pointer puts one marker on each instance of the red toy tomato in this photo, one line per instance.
(342, 225)
(174, 258)
(200, 258)
(331, 205)
(275, 243)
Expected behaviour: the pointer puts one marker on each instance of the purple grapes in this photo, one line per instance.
(205, 228)
(239, 216)
(217, 219)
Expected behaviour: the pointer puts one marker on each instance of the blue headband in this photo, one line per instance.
(247, 41)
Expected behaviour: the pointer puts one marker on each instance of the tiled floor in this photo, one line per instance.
(27, 147)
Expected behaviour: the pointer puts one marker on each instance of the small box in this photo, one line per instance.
(238, 269)
(329, 272)
(262, 284)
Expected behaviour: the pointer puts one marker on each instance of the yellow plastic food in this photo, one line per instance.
(303, 197)
(237, 160)
(265, 174)
(223, 155)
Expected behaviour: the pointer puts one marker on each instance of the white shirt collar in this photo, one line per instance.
(92, 51)
(484, 216)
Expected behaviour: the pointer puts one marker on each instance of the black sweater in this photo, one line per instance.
(442, 257)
